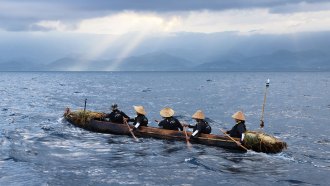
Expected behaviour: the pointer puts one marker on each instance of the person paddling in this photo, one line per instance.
(169, 122)
(201, 126)
(116, 116)
(238, 130)
(140, 119)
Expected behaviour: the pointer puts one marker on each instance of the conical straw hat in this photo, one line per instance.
(198, 115)
(166, 112)
(239, 115)
(139, 109)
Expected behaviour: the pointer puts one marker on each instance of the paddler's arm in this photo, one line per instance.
(190, 126)
(130, 119)
(241, 130)
(229, 131)
(180, 126)
(196, 133)
(137, 122)
(187, 125)
(160, 123)
(126, 119)
(124, 115)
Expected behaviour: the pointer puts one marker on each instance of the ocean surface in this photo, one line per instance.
(38, 147)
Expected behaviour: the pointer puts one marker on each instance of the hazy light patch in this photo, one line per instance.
(138, 38)
(126, 22)
(51, 25)
(96, 50)
(100, 47)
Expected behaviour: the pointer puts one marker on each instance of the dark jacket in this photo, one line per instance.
(237, 130)
(116, 116)
(141, 119)
(171, 123)
(202, 127)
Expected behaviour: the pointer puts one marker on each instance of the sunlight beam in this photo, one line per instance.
(139, 37)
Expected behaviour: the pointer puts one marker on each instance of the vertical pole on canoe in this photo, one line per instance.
(85, 105)
(85, 117)
(262, 123)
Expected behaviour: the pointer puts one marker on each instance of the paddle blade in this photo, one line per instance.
(189, 145)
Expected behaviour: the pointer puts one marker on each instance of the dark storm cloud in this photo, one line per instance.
(20, 14)
(168, 5)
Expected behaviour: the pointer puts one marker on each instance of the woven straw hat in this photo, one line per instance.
(139, 109)
(239, 115)
(166, 112)
(198, 115)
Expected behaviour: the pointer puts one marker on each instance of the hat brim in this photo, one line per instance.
(166, 112)
(139, 110)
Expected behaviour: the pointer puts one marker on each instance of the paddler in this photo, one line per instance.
(201, 126)
(238, 130)
(116, 115)
(140, 119)
(169, 122)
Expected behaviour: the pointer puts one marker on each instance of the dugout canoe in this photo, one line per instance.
(93, 121)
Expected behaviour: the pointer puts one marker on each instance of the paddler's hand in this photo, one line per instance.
(125, 119)
(185, 125)
(238, 143)
(193, 137)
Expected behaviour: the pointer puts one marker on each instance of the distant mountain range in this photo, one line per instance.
(147, 62)
(281, 60)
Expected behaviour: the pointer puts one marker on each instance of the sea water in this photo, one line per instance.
(38, 147)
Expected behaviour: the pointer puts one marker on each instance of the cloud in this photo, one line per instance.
(22, 15)
(252, 21)
(301, 7)
(128, 21)
(158, 5)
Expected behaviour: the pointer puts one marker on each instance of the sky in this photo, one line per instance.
(43, 30)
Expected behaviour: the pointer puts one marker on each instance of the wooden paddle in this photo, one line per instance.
(187, 138)
(239, 144)
(130, 130)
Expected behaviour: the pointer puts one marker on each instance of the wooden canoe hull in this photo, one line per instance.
(153, 132)
(256, 141)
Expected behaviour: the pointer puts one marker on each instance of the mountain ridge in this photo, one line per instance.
(280, 60)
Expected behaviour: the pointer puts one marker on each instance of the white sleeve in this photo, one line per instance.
(242, 138)
(137, 125)
(193, 134)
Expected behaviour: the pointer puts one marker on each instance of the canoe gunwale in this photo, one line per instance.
(153, 132)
